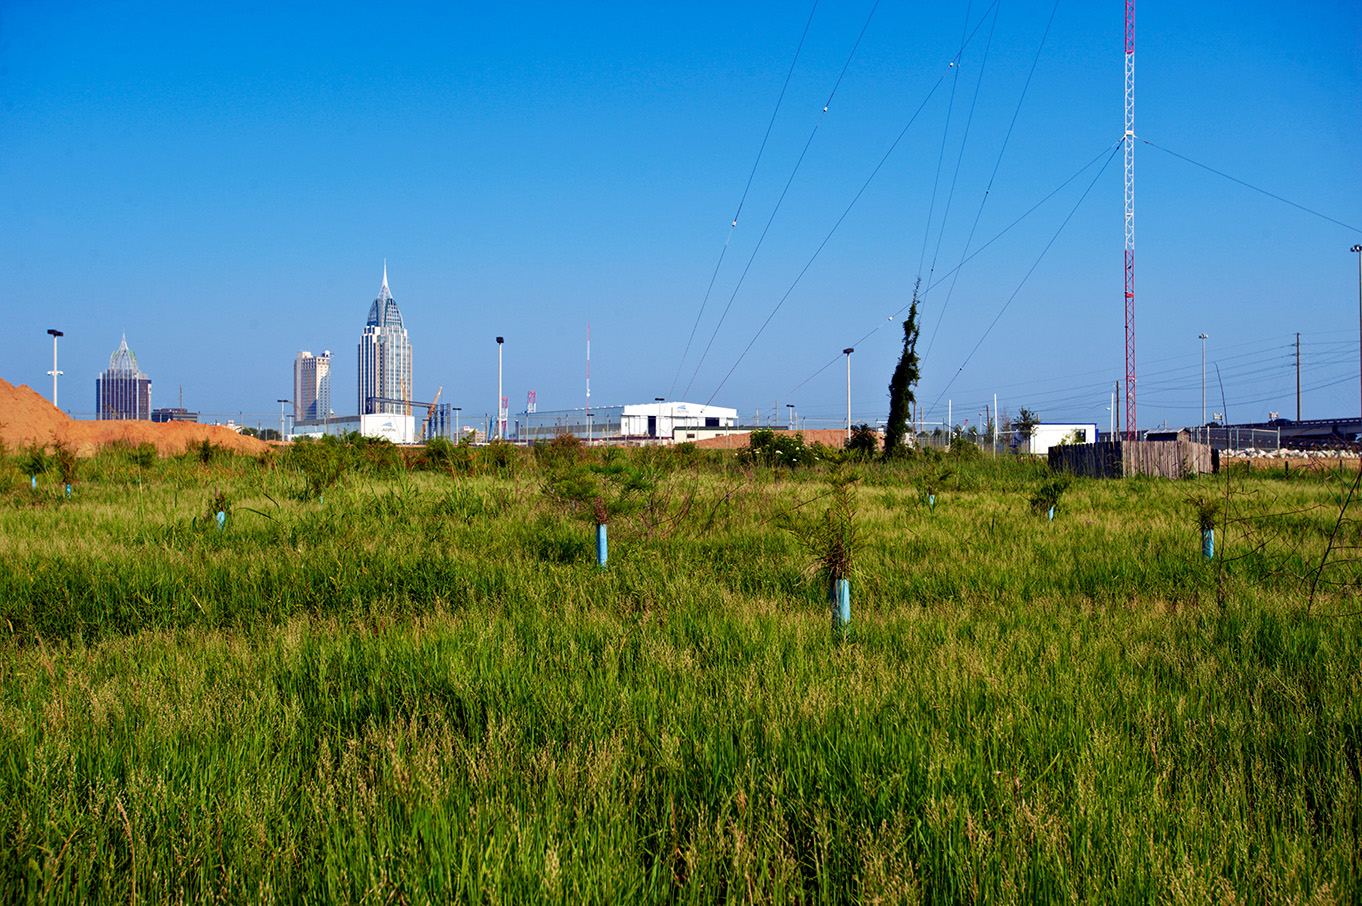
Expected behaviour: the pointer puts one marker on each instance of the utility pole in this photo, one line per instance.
(54, 372)
(588, 383)
(1203, 381)
(1358, 250)
(847, 352)
(1298, 376)
(500, 427)
(1118, 408)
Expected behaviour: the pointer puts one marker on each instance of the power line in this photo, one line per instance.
(741, 201)
(1043, 251)
(964, 141)
(931, 341)
(966, 259)
(781, 199)
(883, 160)
(941, 155)
(1248, 185)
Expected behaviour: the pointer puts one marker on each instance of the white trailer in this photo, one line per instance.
(1043, 437)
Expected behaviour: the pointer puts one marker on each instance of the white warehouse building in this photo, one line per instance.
(642, 421)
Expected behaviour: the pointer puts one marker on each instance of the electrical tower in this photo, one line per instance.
(1129, 140)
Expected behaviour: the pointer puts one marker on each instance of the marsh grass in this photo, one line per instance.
(426, 692)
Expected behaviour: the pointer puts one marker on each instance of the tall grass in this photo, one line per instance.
(424, 690)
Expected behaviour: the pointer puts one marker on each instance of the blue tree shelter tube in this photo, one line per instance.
(840, 600)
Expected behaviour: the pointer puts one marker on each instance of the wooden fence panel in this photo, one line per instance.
(1161, 459)
(1093, 460)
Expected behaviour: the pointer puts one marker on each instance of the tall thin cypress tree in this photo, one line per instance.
(901, 396)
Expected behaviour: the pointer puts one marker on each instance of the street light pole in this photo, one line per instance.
(847, 352)
(1358, 250)
(282, 435)
(457, 436)
(500, 340)
(790, 406)
(54, 372)
(1203, 382)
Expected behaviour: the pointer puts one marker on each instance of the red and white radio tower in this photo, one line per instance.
(1130, 219)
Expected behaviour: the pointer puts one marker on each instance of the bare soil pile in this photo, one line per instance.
(828, 437)
(28, 418)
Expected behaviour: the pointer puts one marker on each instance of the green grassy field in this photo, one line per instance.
(389, 684)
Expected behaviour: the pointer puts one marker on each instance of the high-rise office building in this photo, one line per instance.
(384, 357)
(312, 386)
(122, 391)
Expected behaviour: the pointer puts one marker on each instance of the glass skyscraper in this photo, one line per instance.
(312, 386)
(122, 391)
(384, 357)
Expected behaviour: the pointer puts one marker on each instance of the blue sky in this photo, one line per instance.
(224, 184)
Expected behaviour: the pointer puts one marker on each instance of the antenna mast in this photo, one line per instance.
(1130, 219)
(588, 382)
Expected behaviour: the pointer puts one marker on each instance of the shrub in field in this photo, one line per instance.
(207, 451)
(614, 486)
(1207, 510)
(933, 480)
(564, 449)
(465, 504)
(9, 477)
(68, 466)
(33, 459)
(443, 456)
(436, 456)
(864, 443)
(322, 465)
(501, 457)
(771, 448)
(682, 455)
(375, 455)
(218, 503)
(143, 455)
(829, 537)
(962, 448)
(1049, 492)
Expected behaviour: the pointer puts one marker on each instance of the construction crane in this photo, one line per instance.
(406, 398)
(1129, 141)
(430, 412)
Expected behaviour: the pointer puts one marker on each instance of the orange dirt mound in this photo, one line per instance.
(828, 437)
(27, 418)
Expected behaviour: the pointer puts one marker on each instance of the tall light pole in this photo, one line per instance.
(500, 340)
(282, 435)
(847, 352)
(54, 372)
(790, 406)
(1356, 248)
(457, 436)
(1203, 381)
